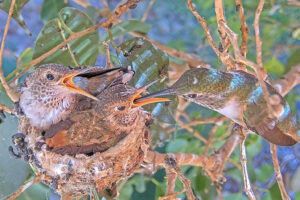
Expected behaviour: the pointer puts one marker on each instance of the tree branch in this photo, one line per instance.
(283, 192)
(11, 94)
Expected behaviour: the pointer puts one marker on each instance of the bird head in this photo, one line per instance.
(119, 104)
(49, 94)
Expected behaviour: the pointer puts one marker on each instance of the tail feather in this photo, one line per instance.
(273, 134)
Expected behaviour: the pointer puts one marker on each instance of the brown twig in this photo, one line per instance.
(171, 179)
(224, 56)
(82, 3)
(105, 4)
(120, 10)
(107, 54)
(212, 120)
(25, 186)
(6, 109)
(247, 183)
(11, 94)
(202, 21)
(282, 189)
(290, 80)
(147, 10)
(186, 183)
(244, 30)
(188, 58)
(210, 139)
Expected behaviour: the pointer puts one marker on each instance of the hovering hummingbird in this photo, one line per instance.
(52, 91)
(238, 96)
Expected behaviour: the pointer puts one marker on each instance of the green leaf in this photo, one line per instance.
(83, 51)
(149, 64)
(128, 26)
(177, 145)
(50, 9)
(264, 172)
(5, 5)
(36, 191)
(275, 192)
(13, 172)
(274, 66)
(25, 57)
(293, 60)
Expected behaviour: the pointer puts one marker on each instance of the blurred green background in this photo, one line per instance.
(169, 22)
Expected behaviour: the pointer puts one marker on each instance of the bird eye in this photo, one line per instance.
(192, 95)
(49, 76)
(120, 108)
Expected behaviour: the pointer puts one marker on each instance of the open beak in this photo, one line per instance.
(67, 80)
(138, 100)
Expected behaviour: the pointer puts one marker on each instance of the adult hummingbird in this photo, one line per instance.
(103, 124)
(238, 96)
(51, 92)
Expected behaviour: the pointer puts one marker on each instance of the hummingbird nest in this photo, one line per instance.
(77, 176)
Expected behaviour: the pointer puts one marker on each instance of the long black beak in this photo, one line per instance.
(67, 79)
(92, 72)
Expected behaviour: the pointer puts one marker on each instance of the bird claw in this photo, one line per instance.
(2, 116)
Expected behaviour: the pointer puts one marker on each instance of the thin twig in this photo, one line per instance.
(212, 120)
(188, 58)
(244, 29)
(210, 139)
(11, 94)
(282, 189)
(147, 10)
(120, 10)
(224, 56)
(290, 80)
(25, 186)
(6, 109)
(104, 2)
(107, 54)
(171, 179)
(82, 3)
(247, 183)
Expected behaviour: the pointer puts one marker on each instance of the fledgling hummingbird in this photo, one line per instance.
(51, 92)
(104, 124)
(238, 96)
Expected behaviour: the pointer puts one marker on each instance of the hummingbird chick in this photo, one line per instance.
(52, 91)
(238, 96)
(108, 121)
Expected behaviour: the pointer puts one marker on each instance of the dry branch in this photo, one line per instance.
(290, 80)
(244, 30)
(107, 54)
(212, 120)
(188, 58)
(147, 10)
(25, 186)
(11, 94)
(6, 109)
(247, 183)
(118, 11)
(282, 189)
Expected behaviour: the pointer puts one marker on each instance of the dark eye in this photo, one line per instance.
(50, 76)
(120, 108)
(192, 95)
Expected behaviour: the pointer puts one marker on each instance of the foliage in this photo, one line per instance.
(171, 23)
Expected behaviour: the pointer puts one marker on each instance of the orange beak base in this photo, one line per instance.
(67, 82)
(138, 100)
